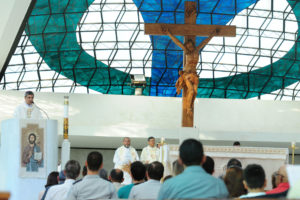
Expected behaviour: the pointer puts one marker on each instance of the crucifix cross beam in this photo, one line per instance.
(190, 29)
(188, 80)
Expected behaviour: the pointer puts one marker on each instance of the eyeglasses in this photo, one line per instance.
(277, 174)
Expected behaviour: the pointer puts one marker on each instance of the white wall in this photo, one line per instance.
(100, 121)
(252, 120)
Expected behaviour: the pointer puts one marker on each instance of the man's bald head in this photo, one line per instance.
(116, 175)
(126, 142)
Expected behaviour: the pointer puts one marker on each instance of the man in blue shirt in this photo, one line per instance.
(194, 182)
(137, 172)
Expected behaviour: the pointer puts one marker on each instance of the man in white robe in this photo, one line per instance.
(124, 156)
(150, 153)
(28, 110)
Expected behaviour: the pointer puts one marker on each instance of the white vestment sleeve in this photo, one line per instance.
(117, 160)
(16, 113)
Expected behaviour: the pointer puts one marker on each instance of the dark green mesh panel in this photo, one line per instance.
(52, 31)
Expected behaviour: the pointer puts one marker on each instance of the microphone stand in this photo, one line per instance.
(41, 110)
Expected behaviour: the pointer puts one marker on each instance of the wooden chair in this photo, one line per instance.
(4, 195)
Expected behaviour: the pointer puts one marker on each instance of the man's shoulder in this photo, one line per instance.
(77, 181)
(77, 184)
(119, 148)
(55, 187)
(185, 178)
(138, 186)
(217, 180)
(19, 107)
(83, 182)
(53, 190)
(126, 187)
(132, 148)
(176, 180)
(147, 184)
(145, 148)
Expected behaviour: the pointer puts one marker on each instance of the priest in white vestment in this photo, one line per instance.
(150, 153)
(28, 110)
(124, 156)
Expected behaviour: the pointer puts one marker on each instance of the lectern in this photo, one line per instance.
(28, 153)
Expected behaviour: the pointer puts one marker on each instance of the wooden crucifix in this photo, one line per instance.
(189, 80)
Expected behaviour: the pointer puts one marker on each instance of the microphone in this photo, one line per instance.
(41, 110)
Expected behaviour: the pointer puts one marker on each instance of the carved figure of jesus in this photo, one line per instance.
(188, 77)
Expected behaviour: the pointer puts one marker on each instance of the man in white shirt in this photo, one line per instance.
(149, 189)
(124, 156)
(150, 153)
(28, 110)
(60, 192)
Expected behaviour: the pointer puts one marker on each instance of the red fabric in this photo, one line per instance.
(280, 188)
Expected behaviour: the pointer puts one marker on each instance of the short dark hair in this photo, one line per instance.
(233, 162)
(72, 169)
(94, 161)
(138, 170)
(254, 175)
(84, 171)
(150, 138)
(117, 175)
(32, 134)
(177, 167)
(28, 93)
(191, 152)
(209, 165)
(103, 174)
(236, 143)
(167, 177)
(155, 170)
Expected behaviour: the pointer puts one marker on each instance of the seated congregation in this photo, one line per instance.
(192, 179)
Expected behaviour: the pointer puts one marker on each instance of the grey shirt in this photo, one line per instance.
(92, 187)
(147, 190)
(117, 185)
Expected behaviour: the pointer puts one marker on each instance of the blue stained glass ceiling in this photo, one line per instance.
(93, 46)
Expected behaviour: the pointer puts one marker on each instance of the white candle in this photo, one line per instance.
(66, 107)
(293, 144)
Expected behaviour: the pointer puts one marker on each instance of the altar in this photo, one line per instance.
(269, 158)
